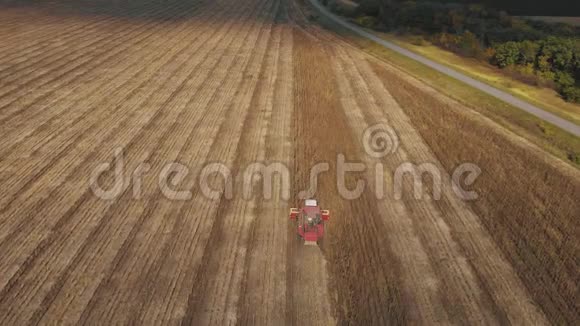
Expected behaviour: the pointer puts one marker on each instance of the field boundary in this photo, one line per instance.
(490, 90)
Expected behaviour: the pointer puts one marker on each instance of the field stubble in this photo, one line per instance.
(536, 230)
(239, 82)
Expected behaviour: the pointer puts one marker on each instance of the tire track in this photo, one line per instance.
(87, 39)
(59, 116)
(66, 27)
(264, 288)
(447, 256)
(85, 264)
(350, 243)
(422, 284)
(48, 164)
(44, 83)
(230, 234)
(80, 182)
(71, 136)
(216, 112)
(216, 41)
(496, 277)
(26, 51)
(20, 41)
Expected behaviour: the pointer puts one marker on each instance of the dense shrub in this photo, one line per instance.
(367, 21)
(536, 52)
(571, 94)
(554, 60)
(345, 8)
(506, 54)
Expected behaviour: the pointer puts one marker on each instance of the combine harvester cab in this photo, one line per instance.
(310, 221)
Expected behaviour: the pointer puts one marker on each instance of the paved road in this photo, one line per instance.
(504, 96)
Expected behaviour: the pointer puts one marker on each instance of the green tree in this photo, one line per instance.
(544, 64)
(470, 45)
(571, 94)
(560, 52)
(528, 52)
(506, 54)
(564, 79)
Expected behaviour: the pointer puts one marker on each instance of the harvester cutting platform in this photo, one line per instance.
(310, 221)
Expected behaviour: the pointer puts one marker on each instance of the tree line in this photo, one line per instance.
(536, 52)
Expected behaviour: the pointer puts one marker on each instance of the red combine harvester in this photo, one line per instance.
(310, 220)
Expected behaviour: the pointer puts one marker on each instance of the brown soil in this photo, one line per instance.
(238, 82)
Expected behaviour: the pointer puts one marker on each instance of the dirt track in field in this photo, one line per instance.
(234, 82)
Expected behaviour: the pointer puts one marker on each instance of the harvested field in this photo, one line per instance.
(236, 83)
(536, 231)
